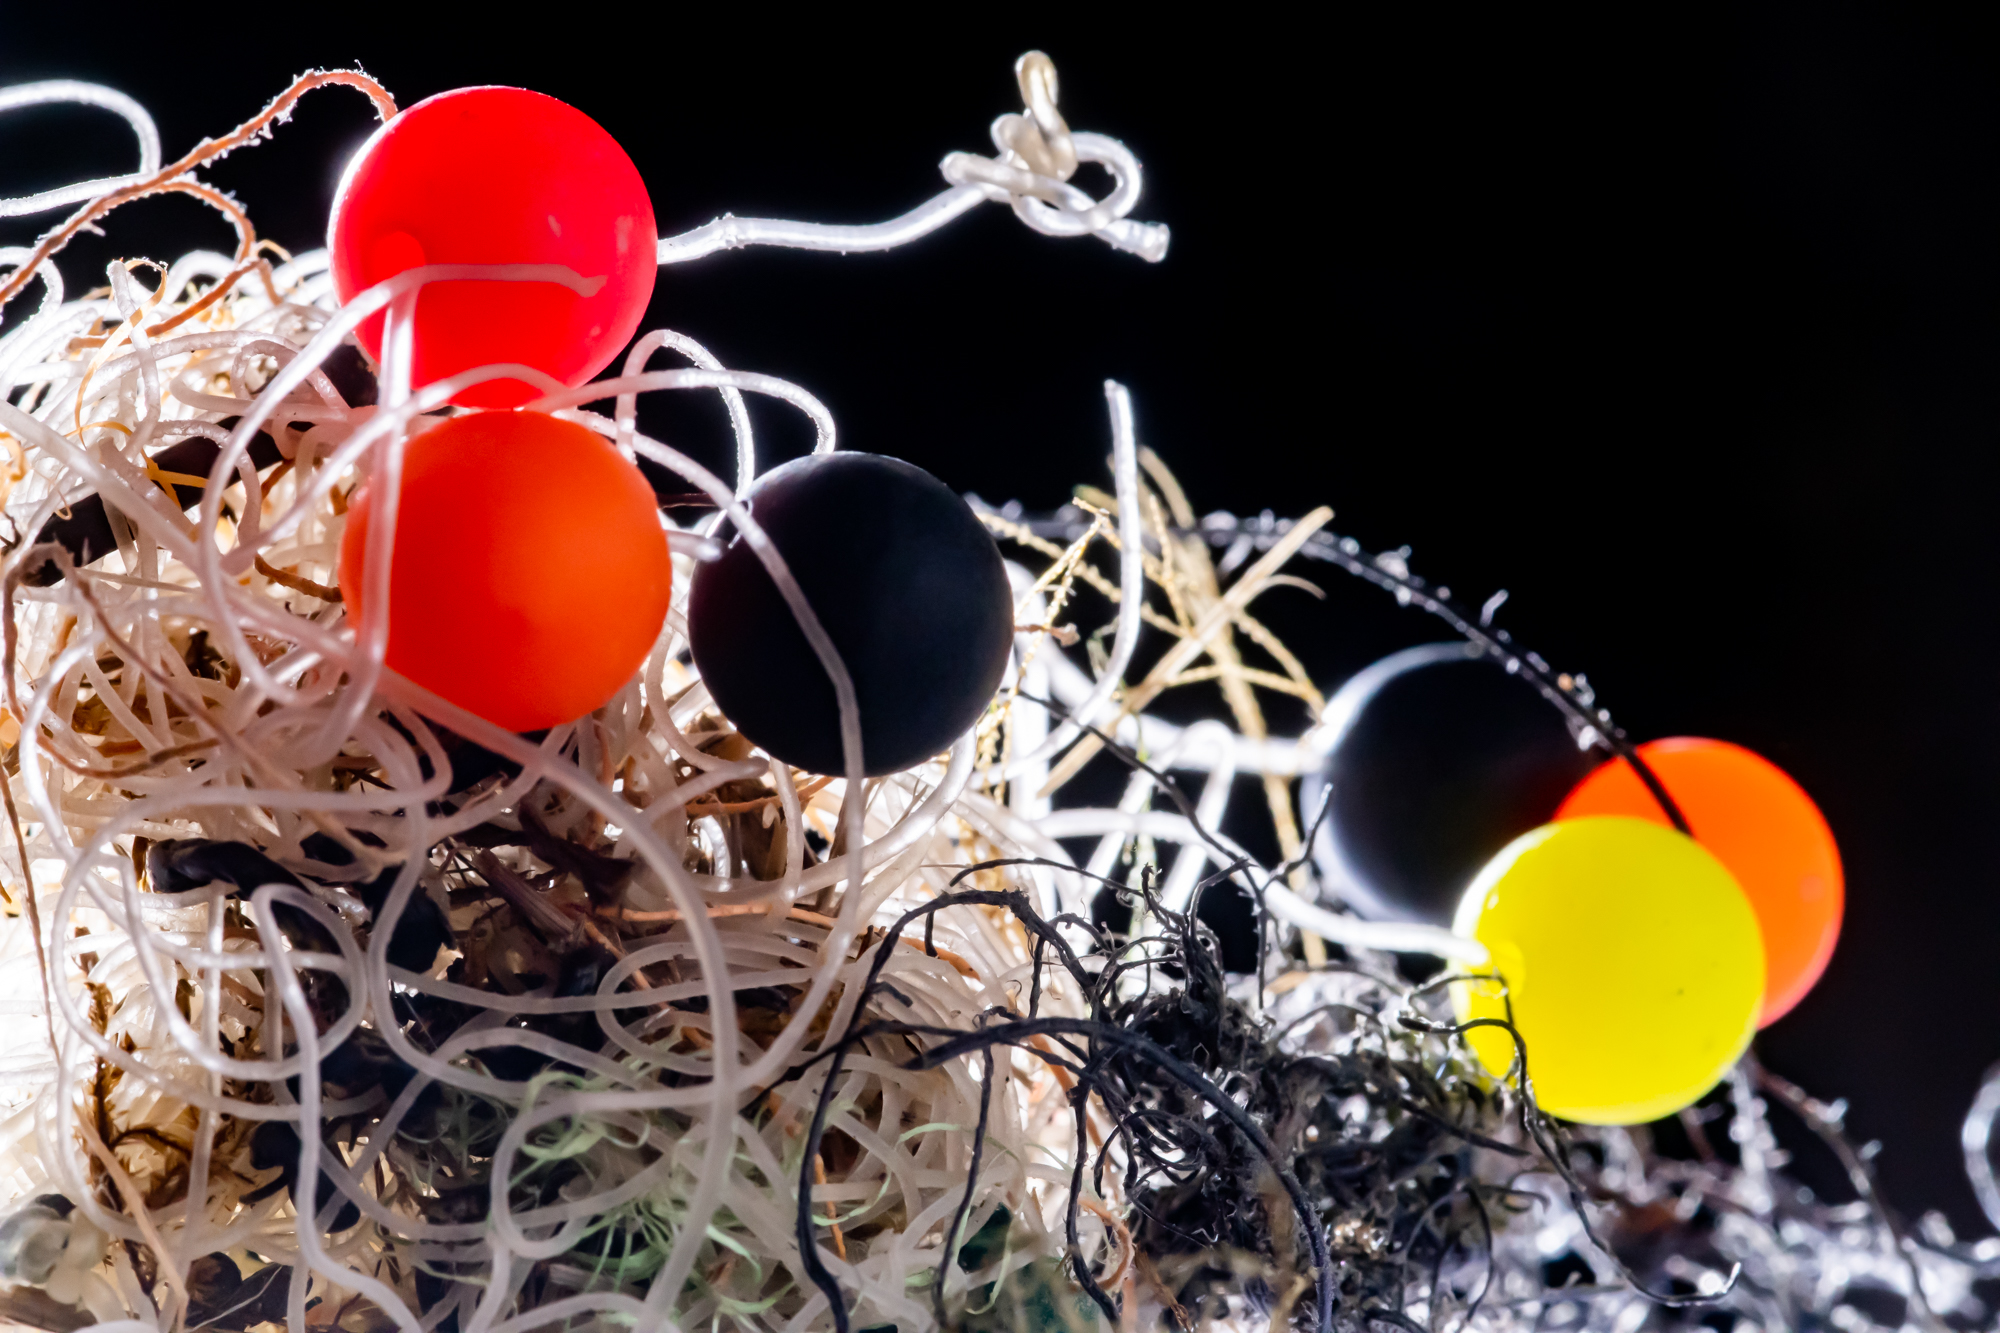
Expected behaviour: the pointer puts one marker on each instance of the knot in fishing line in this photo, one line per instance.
(1041, 137)
(1038, 153)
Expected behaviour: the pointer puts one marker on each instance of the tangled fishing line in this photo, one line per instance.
(337, 1007)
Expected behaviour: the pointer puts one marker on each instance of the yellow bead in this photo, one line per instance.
(1632, 960)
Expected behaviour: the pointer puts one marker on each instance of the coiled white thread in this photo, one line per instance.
(1036, 154)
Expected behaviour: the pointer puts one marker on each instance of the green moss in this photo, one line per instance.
(1039, 1298)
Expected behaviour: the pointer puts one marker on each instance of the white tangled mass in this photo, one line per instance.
(201, 681)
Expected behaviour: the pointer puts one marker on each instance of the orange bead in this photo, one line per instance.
(531, 574)
(1762, 826)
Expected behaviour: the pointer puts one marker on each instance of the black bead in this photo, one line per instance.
(1445, 760)
(176, 865)
(1232, 914)
(85, 529)
(906, 581)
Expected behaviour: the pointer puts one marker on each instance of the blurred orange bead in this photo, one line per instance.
(531, 574)
(1762, 826)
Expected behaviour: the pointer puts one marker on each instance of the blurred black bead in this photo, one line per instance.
(1444, 760)
(473, 763)
(422, 929)
(362, 1062)
(909, 587)
(1232, 915)
(276, 1143)
(350, 372)
(175, 865)
(430, 1290)
(84, 528)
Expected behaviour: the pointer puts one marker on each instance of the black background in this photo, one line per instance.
(1684, 332)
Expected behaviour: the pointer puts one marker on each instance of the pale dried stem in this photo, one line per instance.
(167, 179)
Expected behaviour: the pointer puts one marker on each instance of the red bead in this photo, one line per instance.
(499, 176)
(531, 574)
